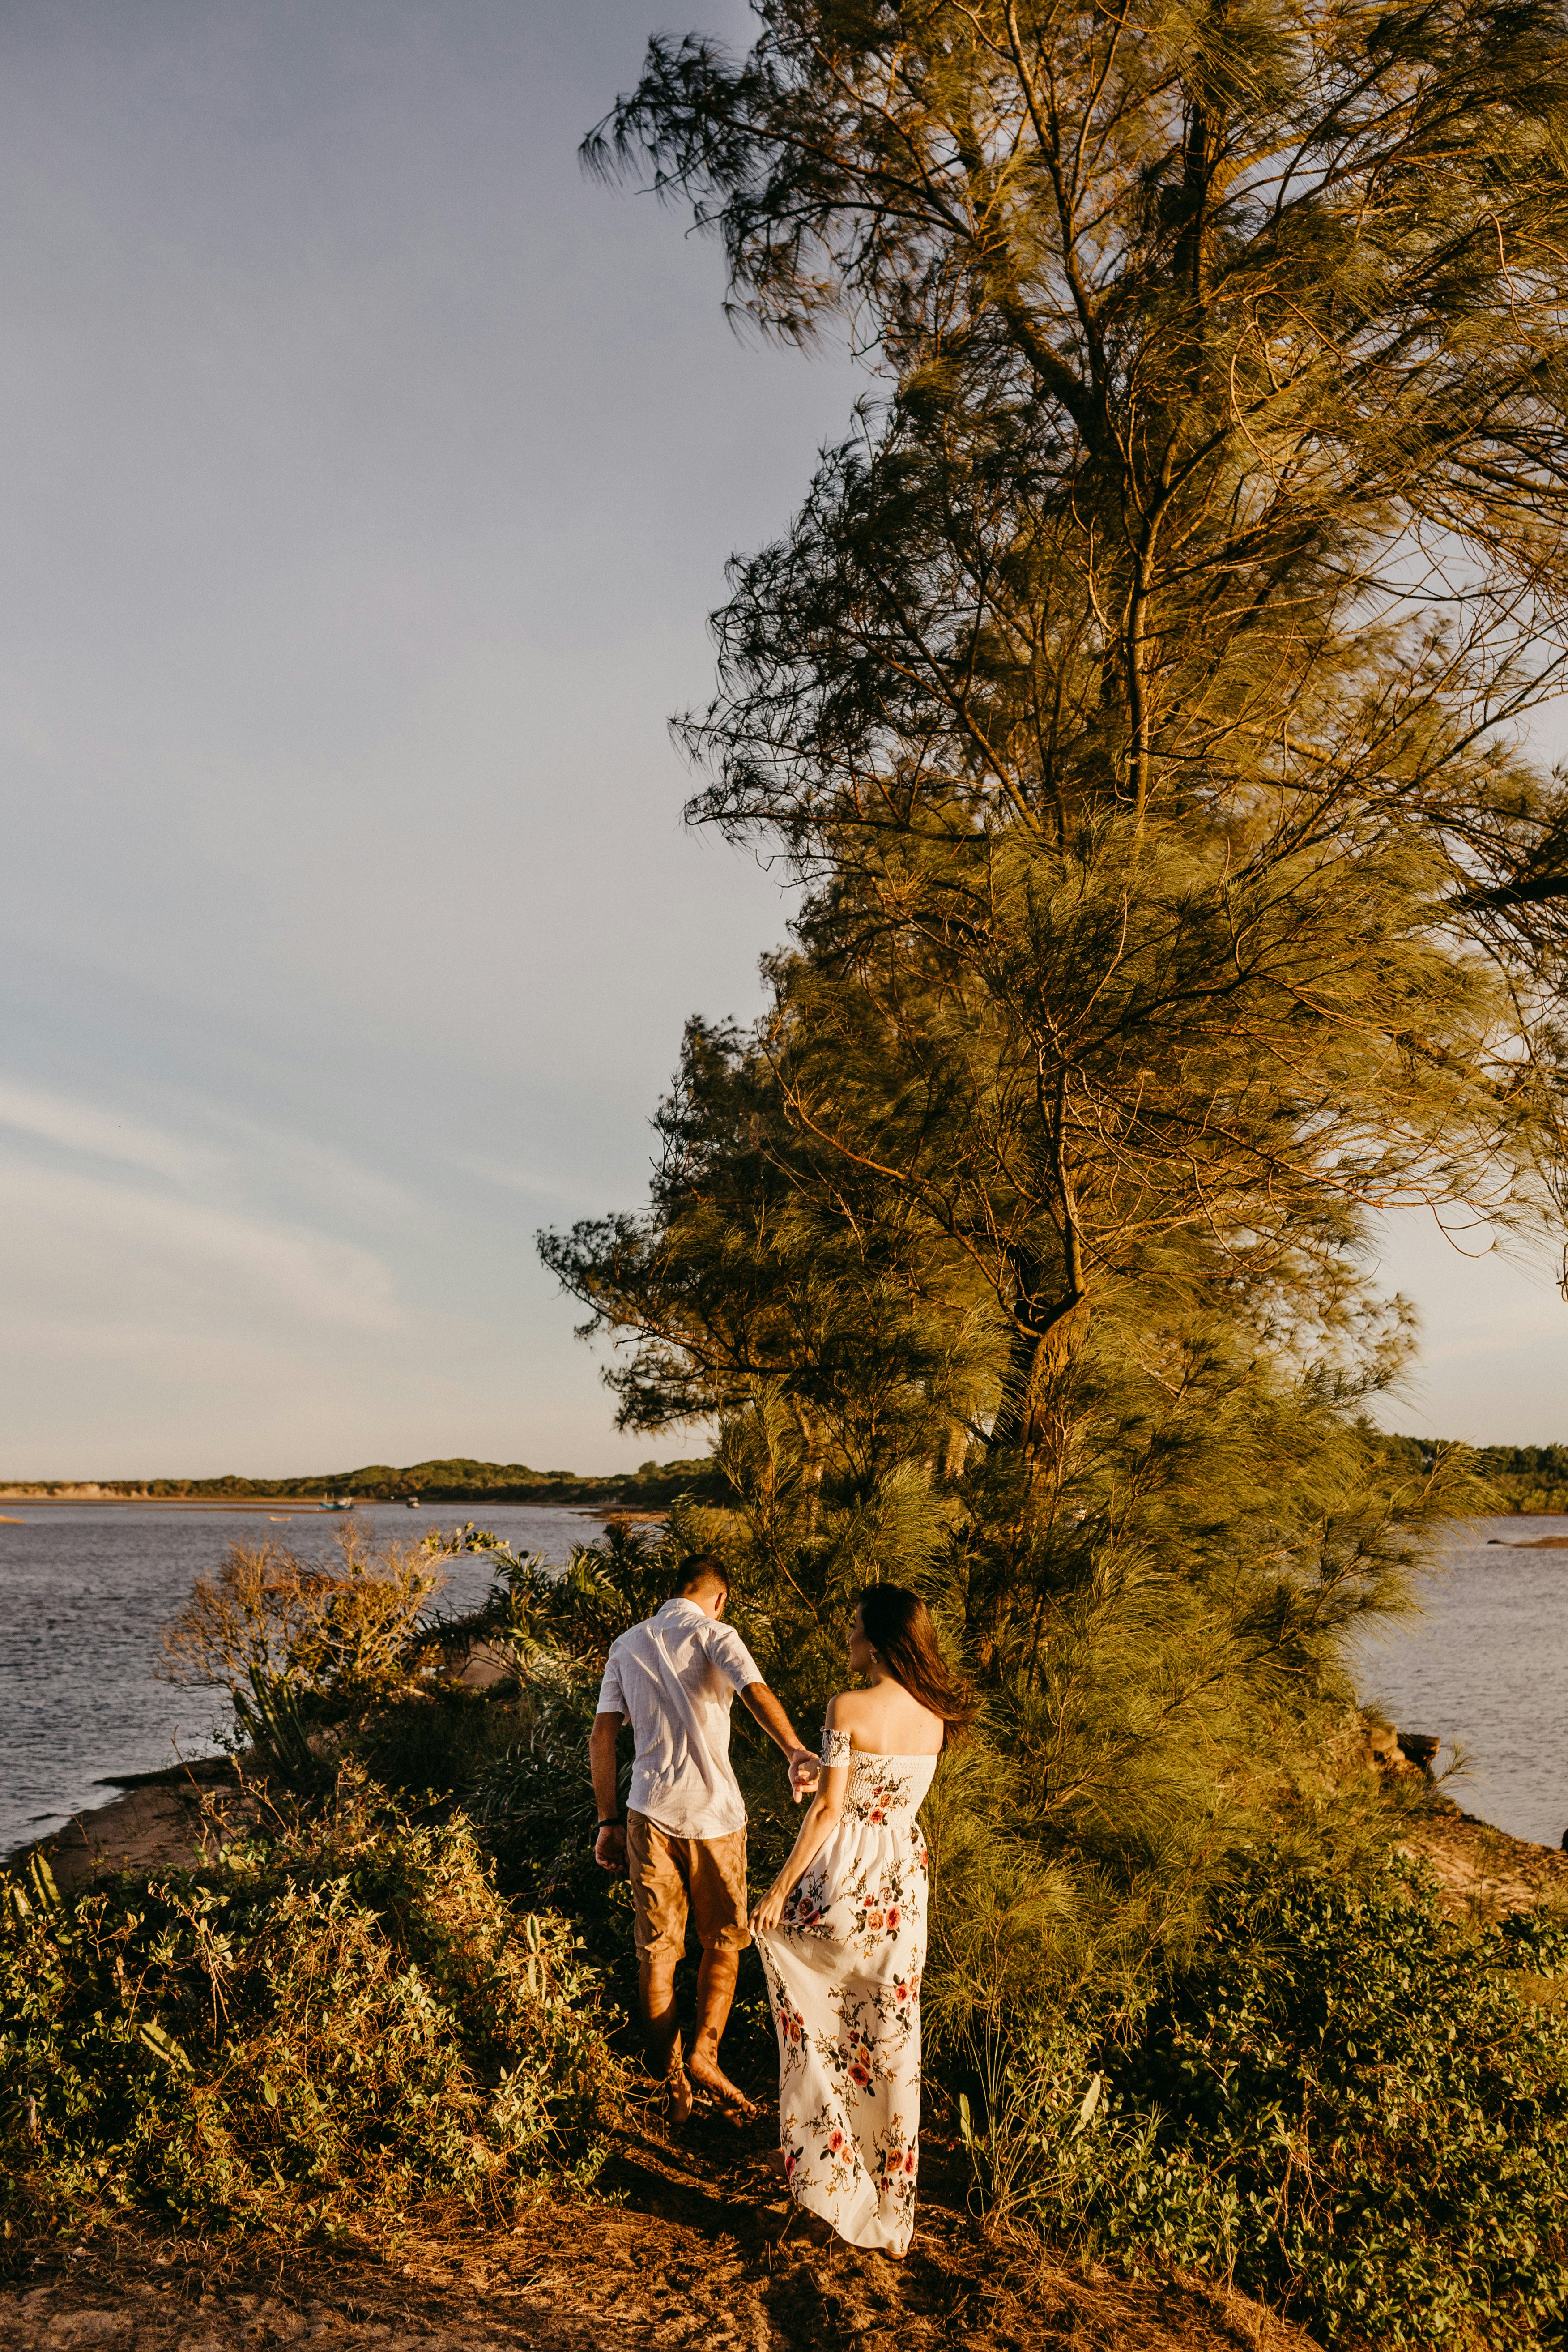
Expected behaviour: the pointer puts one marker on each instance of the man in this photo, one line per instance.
(683, 1843)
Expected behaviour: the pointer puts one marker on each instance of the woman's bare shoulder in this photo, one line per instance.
(845, 1709)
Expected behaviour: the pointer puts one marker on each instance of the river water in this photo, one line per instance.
(1485, 1668)
(85, 1588)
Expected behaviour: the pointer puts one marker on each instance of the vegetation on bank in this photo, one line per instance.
(1340, 2098)
(1516, 1477)
(1508, 1478)
(456, 1481)
(340, 2025)
(338, 2029)
(390, 1997)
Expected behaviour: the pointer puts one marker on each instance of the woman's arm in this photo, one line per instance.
(821, 1820)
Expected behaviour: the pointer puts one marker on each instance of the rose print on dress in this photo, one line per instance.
(843, 1977)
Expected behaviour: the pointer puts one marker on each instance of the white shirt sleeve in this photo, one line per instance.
(610, 1699)
(728, 1652)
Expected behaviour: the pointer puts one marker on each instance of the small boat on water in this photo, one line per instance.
(339, 1503)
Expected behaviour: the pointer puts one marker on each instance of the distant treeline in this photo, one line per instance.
(456, 1481)
(1526, 1477)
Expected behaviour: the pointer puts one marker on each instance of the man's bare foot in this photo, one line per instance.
(707, 2074)
(678, 2097)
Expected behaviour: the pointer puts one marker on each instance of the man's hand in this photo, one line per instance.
(610, 1849)
(759, 1700)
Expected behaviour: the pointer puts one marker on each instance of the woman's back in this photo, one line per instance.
(886, 1720)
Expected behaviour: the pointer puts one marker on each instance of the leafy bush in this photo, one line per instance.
(1344, 2102)
(438, 1740)
(348, 1637)
(337, 2026)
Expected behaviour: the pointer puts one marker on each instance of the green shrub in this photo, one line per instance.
(341, 2027)
(1353, 2107)
(437, 1741)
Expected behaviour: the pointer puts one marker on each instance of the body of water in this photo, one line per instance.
(1485, 1668)
(84, 1589)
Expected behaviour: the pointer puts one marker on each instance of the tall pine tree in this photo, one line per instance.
(1138, 695)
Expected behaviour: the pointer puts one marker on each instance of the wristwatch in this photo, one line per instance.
(614, 1823)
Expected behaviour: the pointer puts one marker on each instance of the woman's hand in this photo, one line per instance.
(769, 1911)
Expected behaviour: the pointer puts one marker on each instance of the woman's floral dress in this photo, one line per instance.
(843, 1976)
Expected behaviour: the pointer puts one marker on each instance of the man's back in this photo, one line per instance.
(673, 1678)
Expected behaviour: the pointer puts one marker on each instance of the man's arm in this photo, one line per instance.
(610, 1845)
(761, 1703)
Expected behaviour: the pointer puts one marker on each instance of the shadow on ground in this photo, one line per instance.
(692, 2243)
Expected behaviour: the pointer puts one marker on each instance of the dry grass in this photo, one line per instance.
(353, 1632)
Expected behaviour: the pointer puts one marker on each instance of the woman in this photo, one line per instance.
(842, 1932)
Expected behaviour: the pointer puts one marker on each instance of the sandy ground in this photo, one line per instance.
(1483, 1872)
(155, 1824)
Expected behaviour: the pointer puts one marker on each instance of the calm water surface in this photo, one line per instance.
(83, 1590)
(1486, 1668)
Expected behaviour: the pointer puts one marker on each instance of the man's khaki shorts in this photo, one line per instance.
(671, 1875)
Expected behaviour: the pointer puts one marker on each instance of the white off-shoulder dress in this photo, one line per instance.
(843, 1976)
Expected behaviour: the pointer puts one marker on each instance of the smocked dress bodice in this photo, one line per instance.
(884, 1792)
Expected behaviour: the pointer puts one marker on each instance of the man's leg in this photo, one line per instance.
(656, 1977)
(716, 1991)
(659, 1902)
(717, 1875)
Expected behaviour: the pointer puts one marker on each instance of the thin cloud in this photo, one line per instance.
(99, 1251)
(511, 1178)
(320, 1169)
(96, 1133)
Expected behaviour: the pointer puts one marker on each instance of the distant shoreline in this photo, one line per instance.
(454, 1479)
(297, 1507)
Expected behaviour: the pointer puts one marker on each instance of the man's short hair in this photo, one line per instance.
(701, 1569)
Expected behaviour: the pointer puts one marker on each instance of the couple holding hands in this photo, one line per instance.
(841, 1930)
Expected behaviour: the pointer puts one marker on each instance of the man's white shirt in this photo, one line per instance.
(673, 1678)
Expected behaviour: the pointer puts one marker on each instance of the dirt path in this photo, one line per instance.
(687, 2249)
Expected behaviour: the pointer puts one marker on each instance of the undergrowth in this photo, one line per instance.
(338, 2026)
(1236, 2038)
(1344, 2102)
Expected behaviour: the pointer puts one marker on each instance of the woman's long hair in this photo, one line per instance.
(898, 1626)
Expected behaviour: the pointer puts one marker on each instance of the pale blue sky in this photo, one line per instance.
(368, 477)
